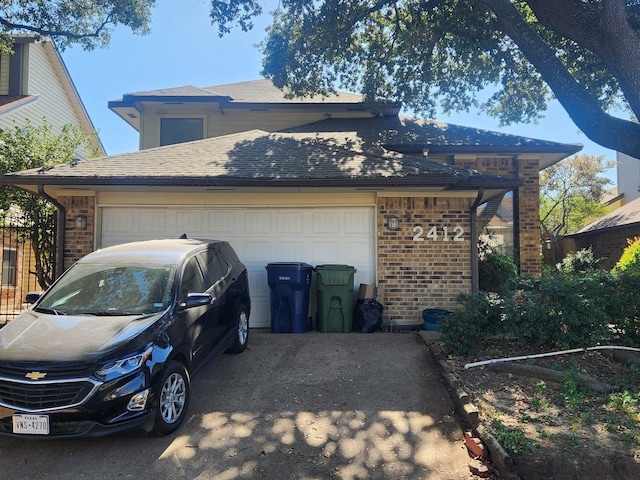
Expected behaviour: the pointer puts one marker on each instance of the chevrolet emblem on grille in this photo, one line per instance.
(35, 375)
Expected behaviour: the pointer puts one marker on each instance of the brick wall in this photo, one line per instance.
(527, 204)
(78, 241)
(423, 274)
(607, 245)
(529, 218)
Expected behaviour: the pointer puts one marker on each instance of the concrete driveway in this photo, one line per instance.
(302, 406)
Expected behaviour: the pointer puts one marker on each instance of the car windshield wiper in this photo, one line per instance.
(51, 311)
(110, 313)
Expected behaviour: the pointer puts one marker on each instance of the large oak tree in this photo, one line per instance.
(449, 53)
(88, 23)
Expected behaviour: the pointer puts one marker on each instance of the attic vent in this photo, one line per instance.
(131, 115)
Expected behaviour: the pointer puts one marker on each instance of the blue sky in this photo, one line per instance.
(184, 49)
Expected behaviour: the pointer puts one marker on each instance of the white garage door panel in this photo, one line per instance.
(260, 236)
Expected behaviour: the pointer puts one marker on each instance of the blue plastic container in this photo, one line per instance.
(289, 283)
(432, 317)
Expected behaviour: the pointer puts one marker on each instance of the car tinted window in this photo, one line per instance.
(217, 267)
(110, 290)
(192, 280)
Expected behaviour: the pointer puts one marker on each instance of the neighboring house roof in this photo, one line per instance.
(611, 196)
(624, 216)
(263, 159)
(415, 136)
(9, 103)
(498, 211)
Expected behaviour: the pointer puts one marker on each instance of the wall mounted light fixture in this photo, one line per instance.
(81, 222)
(393, 222)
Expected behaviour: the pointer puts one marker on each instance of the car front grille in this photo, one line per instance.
(41, 395)
(54, 372)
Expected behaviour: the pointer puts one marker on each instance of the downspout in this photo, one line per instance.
(475, 281)
(62, 216)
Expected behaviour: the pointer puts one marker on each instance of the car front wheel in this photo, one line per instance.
(173, 399)
(241, 336)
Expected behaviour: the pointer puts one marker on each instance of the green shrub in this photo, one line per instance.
(560, 311)
(553, 312)
(479, 316)
(496, 271)
(624, 306)
(630, 259)
(578, 262)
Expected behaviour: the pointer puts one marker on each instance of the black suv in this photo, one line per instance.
(112, 343)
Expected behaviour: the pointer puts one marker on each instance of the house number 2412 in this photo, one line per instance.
(435, 234)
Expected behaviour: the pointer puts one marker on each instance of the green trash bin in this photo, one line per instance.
(335, 298)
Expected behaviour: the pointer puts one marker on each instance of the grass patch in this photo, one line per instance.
(514, 440)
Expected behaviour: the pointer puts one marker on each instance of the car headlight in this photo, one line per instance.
(124, 366)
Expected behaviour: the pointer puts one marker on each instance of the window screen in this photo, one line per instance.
(179, 130)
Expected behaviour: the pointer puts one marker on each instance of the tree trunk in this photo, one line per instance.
(548, 375)
(582, 107)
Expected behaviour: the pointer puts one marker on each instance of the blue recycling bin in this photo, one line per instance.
(289, 283)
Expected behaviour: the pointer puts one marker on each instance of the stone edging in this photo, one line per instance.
(497, 454)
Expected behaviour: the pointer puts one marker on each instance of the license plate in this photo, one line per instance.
(31, 424)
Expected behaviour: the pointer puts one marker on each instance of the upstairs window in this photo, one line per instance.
(179, 130)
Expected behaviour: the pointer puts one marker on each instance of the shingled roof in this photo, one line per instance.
(624, 216)
(414, 136)
(252, 91)
(258, 158)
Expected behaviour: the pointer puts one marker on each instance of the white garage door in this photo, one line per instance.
(316, 236)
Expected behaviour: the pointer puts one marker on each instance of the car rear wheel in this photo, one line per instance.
(173, 399)
(241, 336)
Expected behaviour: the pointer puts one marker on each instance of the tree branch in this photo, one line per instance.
(584, 109)
(605, 32)
(55, 33)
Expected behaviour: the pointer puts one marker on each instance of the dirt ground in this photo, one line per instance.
(558, 430)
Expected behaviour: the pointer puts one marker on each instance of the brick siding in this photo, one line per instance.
(416, 274)
(423, 274)
(607, 245)
(527, 204)
(78, 242)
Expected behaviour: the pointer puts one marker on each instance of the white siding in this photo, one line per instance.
(52, 103)
(222, 123)
(628, 177)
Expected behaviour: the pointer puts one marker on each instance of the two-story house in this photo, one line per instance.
(34, 86)
(314, 180)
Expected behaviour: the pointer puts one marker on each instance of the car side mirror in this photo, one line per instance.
(196, 300)
(33, 297)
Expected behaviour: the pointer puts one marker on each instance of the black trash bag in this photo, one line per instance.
(367, 315)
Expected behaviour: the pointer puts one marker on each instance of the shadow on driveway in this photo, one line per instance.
(302, 406)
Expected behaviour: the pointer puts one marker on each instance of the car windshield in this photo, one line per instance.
(91, 289)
